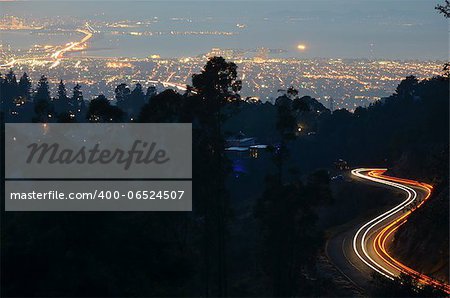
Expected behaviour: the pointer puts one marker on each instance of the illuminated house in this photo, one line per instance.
(240, 140)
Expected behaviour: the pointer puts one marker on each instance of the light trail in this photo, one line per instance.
(384, 226)
(58, 55)
(9, 64)
(55, 58)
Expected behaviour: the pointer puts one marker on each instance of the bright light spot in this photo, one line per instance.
(45, 128)
(301, 47)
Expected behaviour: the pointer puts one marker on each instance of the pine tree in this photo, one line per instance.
(62, 92)
(43, 106)
(77, 95)
(25, 86)
(42, 93)
(11, 90)
(2, 92)
(62, 101)
(77, 103)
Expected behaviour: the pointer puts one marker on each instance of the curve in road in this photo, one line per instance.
(369, 241)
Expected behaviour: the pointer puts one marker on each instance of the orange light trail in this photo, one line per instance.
(58, 55)
(381, 238)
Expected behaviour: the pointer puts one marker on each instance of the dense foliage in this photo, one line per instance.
(257, 235)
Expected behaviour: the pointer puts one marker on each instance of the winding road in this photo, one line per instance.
(362, 250)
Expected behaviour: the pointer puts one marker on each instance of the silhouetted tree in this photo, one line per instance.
(121, 93)
(101, 110)
(444, 8)
(77, 105)
(151, 92)
(77, 95)
(218, 81)
(446, 70)
(14, 98)
(66, 117)
(2, 93)
(301, 104)
(42, 92)
(43, 106)
(215, 86)
(62, 100)
(164, 107)
(62, 92)
(135, 102)
(25, 86)
(10, 90)
(292, 93)
(129, 101)
(286, 126)
(291, 239)
(407, 87)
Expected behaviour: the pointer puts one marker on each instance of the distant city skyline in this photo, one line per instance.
(302, 29)
(355, 52)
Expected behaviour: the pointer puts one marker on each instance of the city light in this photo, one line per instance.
(350, 82)
(301, 47)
